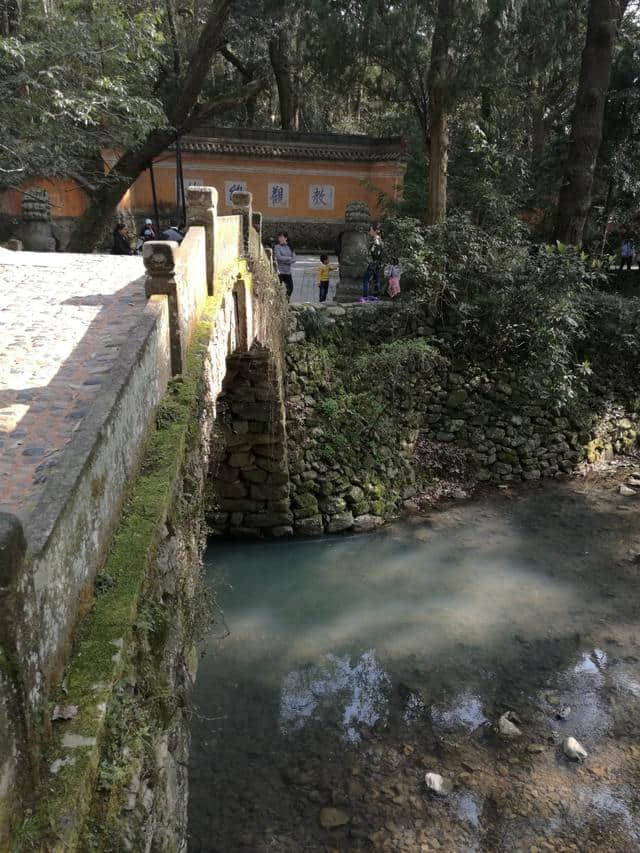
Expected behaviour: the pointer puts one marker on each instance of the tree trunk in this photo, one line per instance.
(90, 226)
(10, 16)
(588, 118)
(439, 102)
(279, 48)
(538, 138)
(438, 162)
(181, 109)
(607, 210)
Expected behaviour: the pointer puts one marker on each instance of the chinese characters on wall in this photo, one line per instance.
(278, 195)
(320, 196)
(231, 187)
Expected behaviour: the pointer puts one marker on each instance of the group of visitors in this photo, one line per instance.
(285, 257)
(122, 240)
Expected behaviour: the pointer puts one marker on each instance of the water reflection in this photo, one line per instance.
(360, 692)
(466, 712)
(331, 638)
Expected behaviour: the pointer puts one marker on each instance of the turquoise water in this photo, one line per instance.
(340, 670)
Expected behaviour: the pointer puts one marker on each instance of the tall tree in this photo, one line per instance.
(439, 104)
(280, 56)
(180, 88)
(588, 117)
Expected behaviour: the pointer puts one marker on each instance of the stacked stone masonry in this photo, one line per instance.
(504, 434)
(252, 481)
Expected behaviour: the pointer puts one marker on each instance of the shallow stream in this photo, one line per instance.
(346, 668)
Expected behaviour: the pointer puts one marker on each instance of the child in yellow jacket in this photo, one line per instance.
(324, 274)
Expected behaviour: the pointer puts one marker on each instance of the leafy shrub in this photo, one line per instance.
(509, 303)
(611, 342)
(446, 264)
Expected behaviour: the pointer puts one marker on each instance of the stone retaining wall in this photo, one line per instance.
(344, 478)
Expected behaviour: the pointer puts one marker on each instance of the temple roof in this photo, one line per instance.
(292, 145)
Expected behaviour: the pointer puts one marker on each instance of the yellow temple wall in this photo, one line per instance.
(282, 189)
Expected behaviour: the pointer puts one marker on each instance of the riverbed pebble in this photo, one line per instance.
(573, 749)
(331, 818)
(436, 784)
(506, 726)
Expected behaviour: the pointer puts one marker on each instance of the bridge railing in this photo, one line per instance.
(205, 263)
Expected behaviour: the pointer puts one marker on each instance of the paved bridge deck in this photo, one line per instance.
(63, 319)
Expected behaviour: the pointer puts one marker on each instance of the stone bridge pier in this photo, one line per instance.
(99, 556)
(251, 485)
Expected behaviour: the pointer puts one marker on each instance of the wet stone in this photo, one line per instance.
(331, 818)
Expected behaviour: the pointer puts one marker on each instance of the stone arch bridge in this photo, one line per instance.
(162, 349)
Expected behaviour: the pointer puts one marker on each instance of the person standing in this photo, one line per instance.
(324, 274)
(147, 233)
(393, 278)
(375, 263)
(627, 253)
(173, 233)
(285, 258)
(121, 242)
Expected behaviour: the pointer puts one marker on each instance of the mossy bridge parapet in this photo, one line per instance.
(100, 579)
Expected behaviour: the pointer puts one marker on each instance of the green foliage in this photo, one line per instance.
(447, 264)
(612, 339)
(535, 311)
(532, 322)
(366, 388)
(74, 82)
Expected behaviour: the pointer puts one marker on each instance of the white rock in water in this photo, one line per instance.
(626, 491)
(634, 481)
(573, 749)
(506, 727)
(437, 784)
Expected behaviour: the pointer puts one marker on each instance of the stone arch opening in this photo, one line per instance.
(250, 491)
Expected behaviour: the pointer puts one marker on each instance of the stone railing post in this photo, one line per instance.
(268, 253)
(256, 221)
(242, 205)
(202, 209)
(159, 258)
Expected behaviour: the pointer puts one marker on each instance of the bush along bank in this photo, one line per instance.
(380, 408)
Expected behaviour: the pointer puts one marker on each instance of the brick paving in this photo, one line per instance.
(63, 319)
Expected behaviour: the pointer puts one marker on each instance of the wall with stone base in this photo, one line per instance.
(305, 235)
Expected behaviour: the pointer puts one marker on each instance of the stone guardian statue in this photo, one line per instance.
(37, 233)
(354, 251)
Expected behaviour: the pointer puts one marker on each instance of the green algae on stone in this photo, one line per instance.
(105, 636)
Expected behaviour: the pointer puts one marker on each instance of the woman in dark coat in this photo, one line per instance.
(121, 244)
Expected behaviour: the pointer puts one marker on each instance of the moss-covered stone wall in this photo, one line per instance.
(114, 772)
(378, 406)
